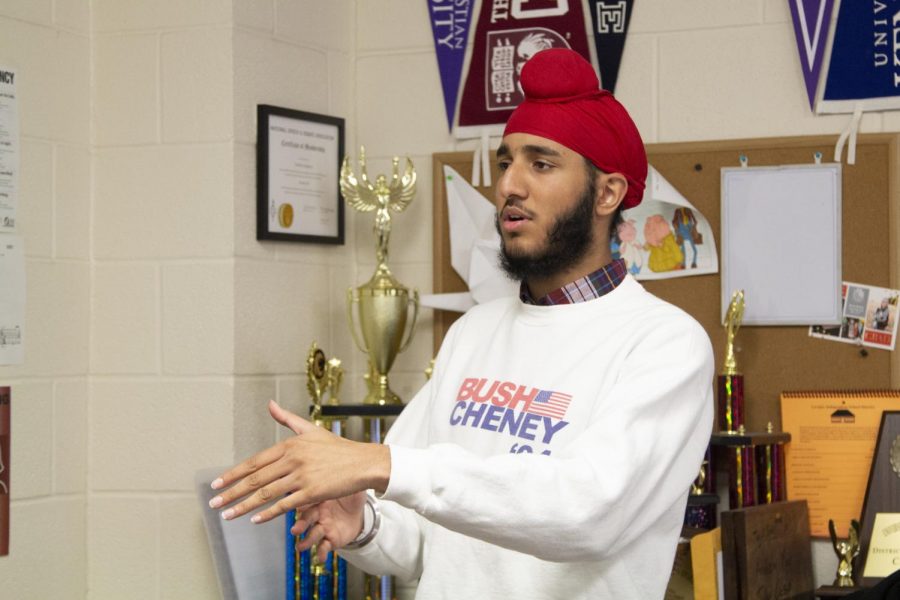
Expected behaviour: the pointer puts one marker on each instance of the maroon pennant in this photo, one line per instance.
(509, 32)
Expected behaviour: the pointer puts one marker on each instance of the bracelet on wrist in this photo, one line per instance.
(370, 528)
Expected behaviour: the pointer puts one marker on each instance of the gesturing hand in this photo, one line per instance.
(302, 471)
(332, 524)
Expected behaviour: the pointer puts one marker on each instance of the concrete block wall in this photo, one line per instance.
(162, 305)
(48, 45)
(294, 55)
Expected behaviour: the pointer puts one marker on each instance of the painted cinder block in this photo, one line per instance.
(198, 314)
(255, 14)
(46, 532)
(72, 201)
(703, 99)
(270, 71)
(34, 11)
(684, 15)
(245, 243)
(186, 570)
(70, 400)
(409, 115)
(124, 547)
(126, 89)
(279, 309)
(32, 434)
(125, 327)
(636, 84)
(35, 206)
(163, 202)
(57, 320)
(164, 431)
(340, 92)
(72, 14)
(71, 87)
(127, 15)
(394, 25)
(254, 428)
(196, 86)
(331, 28)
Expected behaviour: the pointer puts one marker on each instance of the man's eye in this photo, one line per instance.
(541, 165)
(503, 165)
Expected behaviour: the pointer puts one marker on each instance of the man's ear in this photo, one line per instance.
(611, 190)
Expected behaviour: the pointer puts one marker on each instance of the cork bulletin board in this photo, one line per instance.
(772, 359)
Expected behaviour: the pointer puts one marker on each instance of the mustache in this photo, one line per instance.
(518, 205)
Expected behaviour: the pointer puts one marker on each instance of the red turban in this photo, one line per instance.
(564, 103)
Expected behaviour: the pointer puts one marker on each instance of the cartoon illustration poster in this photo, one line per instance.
(665, 236)
(869, 317)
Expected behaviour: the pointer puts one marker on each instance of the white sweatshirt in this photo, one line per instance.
(551, 454)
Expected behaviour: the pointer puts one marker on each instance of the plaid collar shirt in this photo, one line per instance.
(590, 287)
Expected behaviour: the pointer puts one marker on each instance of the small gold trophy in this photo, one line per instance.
(383, 302)
(846, 552)
(730, 381)
(316, 381)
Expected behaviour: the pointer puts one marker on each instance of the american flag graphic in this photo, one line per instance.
(550, 404)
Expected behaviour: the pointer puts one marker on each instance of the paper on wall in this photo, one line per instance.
(868, 317)
(474, 248)
(665, 236)
(12, 300)
(9, 150)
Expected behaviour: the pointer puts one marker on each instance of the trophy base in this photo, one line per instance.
(380, 392)
(383, 398)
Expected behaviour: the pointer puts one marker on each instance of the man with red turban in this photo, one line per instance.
(551, 453)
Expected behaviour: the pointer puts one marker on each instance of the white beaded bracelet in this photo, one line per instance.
(371, 524)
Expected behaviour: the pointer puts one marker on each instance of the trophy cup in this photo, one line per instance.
(382, 302)
(730, 386)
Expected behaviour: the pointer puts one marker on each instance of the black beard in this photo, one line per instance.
(567, 243)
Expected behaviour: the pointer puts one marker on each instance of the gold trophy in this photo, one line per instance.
(846, 552)
(316, 380)
(382, 302)
(730, 382)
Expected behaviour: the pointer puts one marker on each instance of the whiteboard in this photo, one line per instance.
(781, 243)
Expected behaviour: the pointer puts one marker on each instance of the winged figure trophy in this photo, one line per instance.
(382, 196)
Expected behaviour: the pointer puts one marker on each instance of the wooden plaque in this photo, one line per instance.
(766, 552)
(882, 491)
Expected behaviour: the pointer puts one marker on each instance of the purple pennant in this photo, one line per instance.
(812, 19)
(450, 20)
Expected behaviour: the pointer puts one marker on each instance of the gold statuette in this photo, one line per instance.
(846, 552)
(382, 304)
(315, 380)
(382, 197)
(733, 318)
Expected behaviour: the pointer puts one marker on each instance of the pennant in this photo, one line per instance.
(864, 66)
(610, 19)
(812, 19)
(450, 27)
(508, 33)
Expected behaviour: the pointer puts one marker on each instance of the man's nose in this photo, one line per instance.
(510, 184)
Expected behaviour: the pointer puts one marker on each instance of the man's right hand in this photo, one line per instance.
(331, 524)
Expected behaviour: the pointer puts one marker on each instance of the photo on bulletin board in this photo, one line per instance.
(781, 243)
(298, 157)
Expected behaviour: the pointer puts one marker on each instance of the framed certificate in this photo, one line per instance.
(298, 157)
